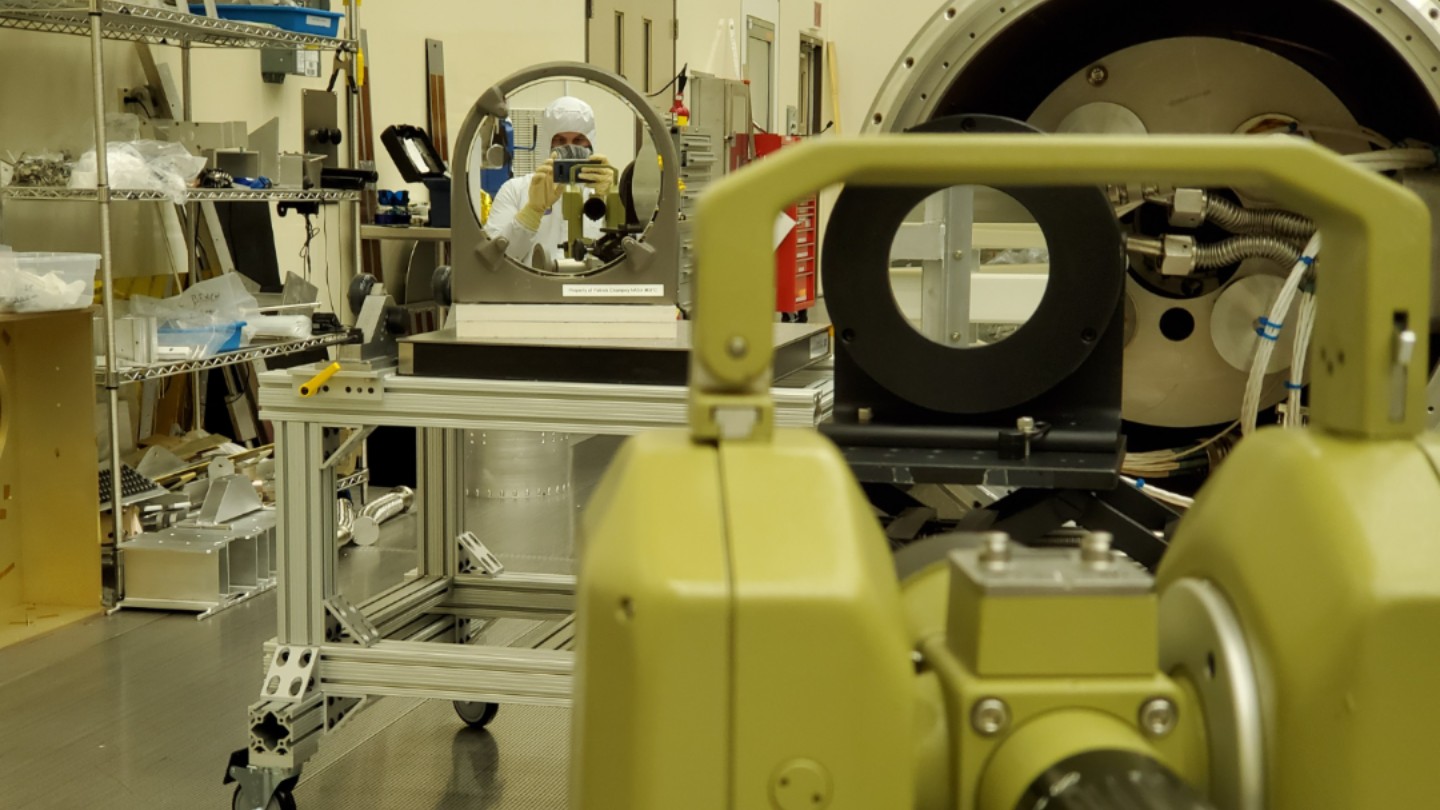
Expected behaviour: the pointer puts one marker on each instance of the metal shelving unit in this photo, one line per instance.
(53, 194)
(250, 354)
(101, 20)
(134, 22)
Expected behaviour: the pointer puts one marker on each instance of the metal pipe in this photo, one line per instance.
(344, 521)
(352, 105)
(388, 506)
(186, 85)
(111, 581)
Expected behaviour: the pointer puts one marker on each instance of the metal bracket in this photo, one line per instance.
(228, 499)
(339, 711)
(348, 446)
(352, 622)
(291, 675)
(481, 559)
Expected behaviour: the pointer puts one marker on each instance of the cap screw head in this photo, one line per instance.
(1095, 548)
(1158, 717)
(995, 550)
(989, 717)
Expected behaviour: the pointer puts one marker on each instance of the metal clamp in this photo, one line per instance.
(481, 559)
(353, 623)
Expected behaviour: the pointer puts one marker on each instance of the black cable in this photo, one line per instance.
(681, 78)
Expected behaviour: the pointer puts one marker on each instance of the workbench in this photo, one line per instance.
(419, 638)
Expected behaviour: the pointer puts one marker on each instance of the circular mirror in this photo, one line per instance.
(969, 266)
(600, 193)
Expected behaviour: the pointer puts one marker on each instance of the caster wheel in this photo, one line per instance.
(282, 800)
(476, 715)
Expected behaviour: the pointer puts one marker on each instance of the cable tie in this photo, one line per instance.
(1139, 483)
(1308, 261)
(1294, 386)
(1265, 322)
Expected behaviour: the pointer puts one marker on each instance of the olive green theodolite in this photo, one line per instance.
(576, 207)
(744, 641)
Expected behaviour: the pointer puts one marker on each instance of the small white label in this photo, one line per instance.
(310, 64)
(317, 22)
(820, 345)
(614, 291)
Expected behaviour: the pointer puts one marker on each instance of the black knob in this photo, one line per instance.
(440, 287)
(397, 321)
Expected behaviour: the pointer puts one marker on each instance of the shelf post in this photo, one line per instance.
(111, 569)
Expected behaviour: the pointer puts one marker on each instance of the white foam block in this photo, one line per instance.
(566, 321)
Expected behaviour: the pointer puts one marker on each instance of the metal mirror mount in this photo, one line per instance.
(650, 264)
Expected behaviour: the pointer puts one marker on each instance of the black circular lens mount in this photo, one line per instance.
(1087, 274)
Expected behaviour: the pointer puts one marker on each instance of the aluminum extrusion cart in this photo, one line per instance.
(330, 655)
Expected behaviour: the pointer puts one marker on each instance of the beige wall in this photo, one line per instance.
(867, 48)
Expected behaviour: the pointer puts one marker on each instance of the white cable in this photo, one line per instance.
(1394, 160)
(1161, 495)
(1363, 133)
(1270, 333)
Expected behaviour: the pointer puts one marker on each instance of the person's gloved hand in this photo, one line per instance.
(598, 175)
(544, 193)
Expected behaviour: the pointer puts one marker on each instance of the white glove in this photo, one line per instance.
(544, 193)
(598, 175)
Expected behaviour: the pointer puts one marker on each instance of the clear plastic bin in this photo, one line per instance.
(46, 282)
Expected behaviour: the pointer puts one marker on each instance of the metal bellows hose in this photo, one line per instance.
(380, 510)
(1236, 219)
(1239, 248)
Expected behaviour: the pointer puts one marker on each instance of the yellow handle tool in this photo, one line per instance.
(314, 384)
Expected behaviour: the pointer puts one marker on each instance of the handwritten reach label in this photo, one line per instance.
(614, 291)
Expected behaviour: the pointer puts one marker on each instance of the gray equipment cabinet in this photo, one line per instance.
(410, 641)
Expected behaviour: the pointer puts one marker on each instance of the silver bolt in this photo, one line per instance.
(959, 255)
(995, 549)
(1158, 717)
(1095, 548)
(1026, 425)
(1098, 75)
(955, 337)
(989, 717)
(865, 415)
(737, 347)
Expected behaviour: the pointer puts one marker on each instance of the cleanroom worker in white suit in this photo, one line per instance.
(525, 210)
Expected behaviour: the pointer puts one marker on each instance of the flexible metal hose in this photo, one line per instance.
(1270, 221)
(344, 521)
(1239, 248)
(388, 506)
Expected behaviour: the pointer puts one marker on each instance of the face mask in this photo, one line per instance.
(572, 151)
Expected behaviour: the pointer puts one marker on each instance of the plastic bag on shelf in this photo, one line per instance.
(210, 316)
(1015, 256)
(143, 166)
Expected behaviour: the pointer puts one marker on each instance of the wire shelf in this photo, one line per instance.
(51, 193)
(247, 355)
(133, 22)
(350, 482)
